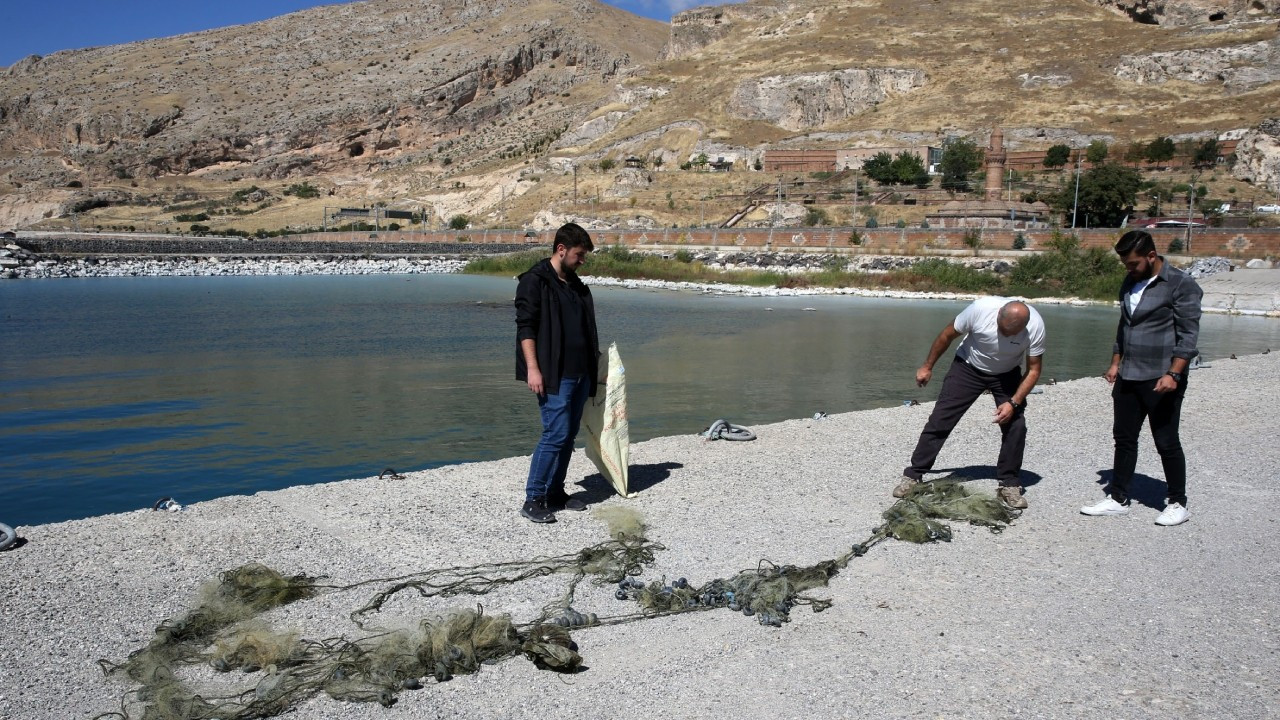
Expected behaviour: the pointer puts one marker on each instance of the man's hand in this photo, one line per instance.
(535, 382)
(1165, 384)
(1112, 373)
(1004, 413)
(923, 375)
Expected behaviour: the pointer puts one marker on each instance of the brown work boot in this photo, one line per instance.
(904, 487)
(1011, 495)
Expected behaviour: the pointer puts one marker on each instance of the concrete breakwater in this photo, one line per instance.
(29, 262)
(49, 267)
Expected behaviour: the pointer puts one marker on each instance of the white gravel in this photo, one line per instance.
(1061, 616)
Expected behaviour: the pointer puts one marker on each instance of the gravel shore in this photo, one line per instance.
(1061, 616)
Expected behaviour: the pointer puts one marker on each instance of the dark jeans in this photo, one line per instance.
(1135, 401)
(561, 415)
(961, 387)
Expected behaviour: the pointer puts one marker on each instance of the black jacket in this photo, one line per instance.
(538, 319)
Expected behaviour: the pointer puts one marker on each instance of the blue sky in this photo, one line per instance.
(41, 27)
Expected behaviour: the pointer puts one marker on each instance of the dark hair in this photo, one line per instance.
(571, 236)
(1135, 241)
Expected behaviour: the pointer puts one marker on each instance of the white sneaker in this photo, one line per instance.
(1174, 514)
(1108, 506)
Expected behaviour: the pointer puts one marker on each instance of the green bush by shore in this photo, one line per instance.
(1063, 270)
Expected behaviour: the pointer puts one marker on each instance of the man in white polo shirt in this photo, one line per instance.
(998, 334)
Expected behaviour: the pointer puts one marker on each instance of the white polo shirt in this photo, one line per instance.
(985, 348)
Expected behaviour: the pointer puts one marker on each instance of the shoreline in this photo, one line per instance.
(1008, 613)
(296, 265)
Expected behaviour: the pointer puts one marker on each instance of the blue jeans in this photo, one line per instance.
(561, 415)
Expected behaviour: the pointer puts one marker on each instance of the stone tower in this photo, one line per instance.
(995, 166)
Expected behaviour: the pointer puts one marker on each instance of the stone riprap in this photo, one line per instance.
(48, 268)
(1060, 617)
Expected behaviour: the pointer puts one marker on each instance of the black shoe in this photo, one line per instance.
(564, 501)
(536, 510)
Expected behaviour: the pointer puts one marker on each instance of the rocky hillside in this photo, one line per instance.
(488, 107)
(354, 88)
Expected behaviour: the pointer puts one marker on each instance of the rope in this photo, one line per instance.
(724, 430)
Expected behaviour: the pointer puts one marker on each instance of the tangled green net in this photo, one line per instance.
(271, 670)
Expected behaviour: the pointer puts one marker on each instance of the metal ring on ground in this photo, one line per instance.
(7, 536)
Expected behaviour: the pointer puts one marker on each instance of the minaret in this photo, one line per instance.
(995, 166)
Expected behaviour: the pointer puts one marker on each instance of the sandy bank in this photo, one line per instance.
(1061, 616)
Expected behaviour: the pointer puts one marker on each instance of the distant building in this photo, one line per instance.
(993, 210)
(836, 160)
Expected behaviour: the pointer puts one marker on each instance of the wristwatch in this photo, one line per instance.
(1177, 376)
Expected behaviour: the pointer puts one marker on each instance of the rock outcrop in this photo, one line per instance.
(695, 29)
(1190, 12)
(1238, 68)
(1258, 155)
(809, 100)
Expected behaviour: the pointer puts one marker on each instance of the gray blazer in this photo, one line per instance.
(1164, 326)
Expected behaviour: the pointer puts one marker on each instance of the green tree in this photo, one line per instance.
(1161, 150)
(1057, 156)
(1206, 153)
(1136, 153)
(907, 169)
(1107, 193)
(459, 222)
(1096, 153)
(960, 159)
(701, 161)
(607, 164)
(879, 167)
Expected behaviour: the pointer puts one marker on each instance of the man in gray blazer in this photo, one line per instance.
(1155, 342)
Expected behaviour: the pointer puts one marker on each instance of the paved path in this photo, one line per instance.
(1249, 292)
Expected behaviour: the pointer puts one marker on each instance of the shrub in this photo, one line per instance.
(303, 190)
(684, 256)
(972, 239)
(459, 222)
(1175, 245)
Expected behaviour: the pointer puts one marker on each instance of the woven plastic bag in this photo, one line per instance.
(605, 420)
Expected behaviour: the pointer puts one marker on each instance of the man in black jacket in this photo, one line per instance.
(558, 356)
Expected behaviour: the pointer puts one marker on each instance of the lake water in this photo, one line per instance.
(115, 392)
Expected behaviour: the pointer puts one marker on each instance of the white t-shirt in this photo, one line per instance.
(985, 348)
(1135, 293)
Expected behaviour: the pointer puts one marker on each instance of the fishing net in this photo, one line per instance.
(269, 670)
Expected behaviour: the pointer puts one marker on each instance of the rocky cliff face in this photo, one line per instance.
(809, 100)
(1190, 12)
(1238, 68)
(1258, 154)
(358, 87)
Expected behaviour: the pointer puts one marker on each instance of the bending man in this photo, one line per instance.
(998, 334)
(557, 355)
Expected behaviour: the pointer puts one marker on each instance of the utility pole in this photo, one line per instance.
(854, 219)
(1191, 198)
(1075, 205)
(777, 207)
(575, 184)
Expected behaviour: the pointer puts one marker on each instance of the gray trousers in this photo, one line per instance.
(960, 388)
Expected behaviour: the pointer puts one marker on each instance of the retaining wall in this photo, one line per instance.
(1230, 242)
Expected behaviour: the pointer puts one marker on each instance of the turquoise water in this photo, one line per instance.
(115, 392)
